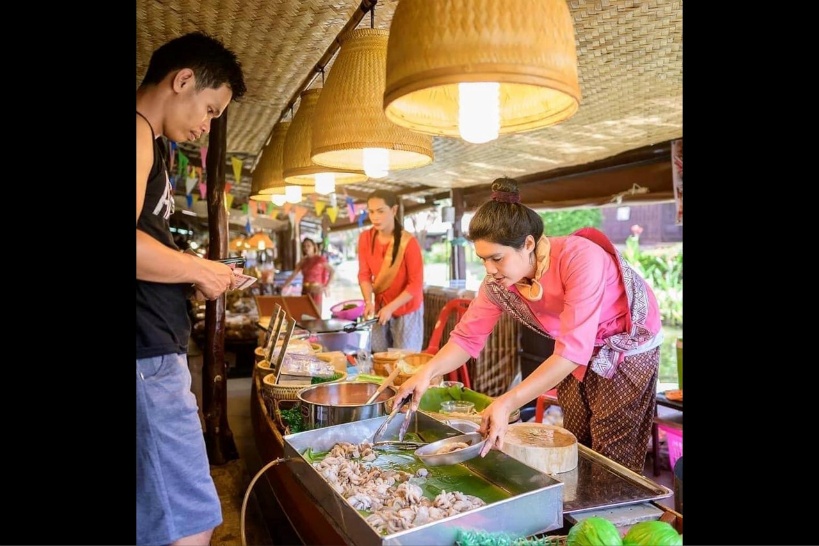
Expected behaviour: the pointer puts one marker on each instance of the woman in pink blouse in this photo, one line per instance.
(391, 276)
(578, 290)
(317, 273)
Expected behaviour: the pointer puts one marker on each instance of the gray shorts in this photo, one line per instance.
(404, 332)
(176, 496)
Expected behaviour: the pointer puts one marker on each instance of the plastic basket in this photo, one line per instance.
(675, 442)
(338, 311)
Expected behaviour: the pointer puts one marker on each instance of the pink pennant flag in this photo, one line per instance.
(202, 190)
(204, 154)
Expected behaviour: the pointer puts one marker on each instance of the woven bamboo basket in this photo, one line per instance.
(289, 392)
(383, 365)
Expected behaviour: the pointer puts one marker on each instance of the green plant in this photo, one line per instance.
(662, 270)
(564, 222)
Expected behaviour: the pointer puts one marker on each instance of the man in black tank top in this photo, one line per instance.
(190, 80)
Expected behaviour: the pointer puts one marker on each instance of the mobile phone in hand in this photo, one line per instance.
(235, 262)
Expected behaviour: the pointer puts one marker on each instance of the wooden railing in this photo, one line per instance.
(499, 361)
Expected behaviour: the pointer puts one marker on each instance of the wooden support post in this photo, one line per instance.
(218, 436)
(458, 261)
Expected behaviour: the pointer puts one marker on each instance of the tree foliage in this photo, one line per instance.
(564, 222)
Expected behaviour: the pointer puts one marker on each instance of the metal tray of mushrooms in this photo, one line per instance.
(394, 499)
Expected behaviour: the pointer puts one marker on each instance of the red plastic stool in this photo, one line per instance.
(548, 396)
(459, 307)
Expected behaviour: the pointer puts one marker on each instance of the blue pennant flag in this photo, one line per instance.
(248, 227)
(361, 217)
(189, 197)
(173, 181)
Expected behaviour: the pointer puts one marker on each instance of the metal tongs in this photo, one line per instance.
(404, 426)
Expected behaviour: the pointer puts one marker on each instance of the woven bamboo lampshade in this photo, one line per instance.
(268, 182)
(297, 165)
(525, 46)
(260, 241)
(349, 116)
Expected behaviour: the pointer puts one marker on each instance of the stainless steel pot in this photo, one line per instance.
(335, 335)
(328, 404)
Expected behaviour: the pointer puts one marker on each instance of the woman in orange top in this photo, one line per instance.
(391, 277)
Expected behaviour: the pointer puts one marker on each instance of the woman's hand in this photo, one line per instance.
(494, 423)
(415, 387)
(368, 310)
(384, 315)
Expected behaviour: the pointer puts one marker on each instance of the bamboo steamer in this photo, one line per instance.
(548, 448)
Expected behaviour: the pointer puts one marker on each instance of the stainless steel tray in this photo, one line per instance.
(598, 482)
(533, 505)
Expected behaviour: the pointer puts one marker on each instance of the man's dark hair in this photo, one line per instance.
(211, 62)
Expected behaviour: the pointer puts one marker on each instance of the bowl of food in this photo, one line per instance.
(461, 407)
(453, 450)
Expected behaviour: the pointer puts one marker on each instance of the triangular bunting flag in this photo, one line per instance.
(361, 218)
(300, 212)
(287, 207)
(332, 213)
(270, 207)
(189, 198)
(203, 188)
(244, 208)
(228, 185)
(183, 163)
(248, 227)
(229, 199)
(237, 169)
(320, 207)
(203, 153)
(190, 183)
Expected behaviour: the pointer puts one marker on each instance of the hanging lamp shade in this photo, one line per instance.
(522, 50)
(268, 172)
(267, 180)
(238, 244)
(350, 129)
(297, 165)
(260, 241)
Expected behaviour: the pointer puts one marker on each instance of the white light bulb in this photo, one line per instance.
(479, 111)
(292, 194)
(325, 183)
(278, 200)
(376, 162)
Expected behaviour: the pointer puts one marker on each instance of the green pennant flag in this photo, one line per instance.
(183, 164)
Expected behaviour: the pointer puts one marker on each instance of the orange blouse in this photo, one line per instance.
(410, 276)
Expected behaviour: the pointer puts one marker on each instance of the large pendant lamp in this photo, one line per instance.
(297, 165)
(267, 182)
(350, 129)
(479, 68)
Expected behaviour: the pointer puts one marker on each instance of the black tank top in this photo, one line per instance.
(162, 323)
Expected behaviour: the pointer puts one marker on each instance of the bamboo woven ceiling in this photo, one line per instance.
(629, 65)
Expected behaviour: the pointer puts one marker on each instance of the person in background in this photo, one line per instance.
(578, 290)
(391, 277)
(190, 80)
(317, 273)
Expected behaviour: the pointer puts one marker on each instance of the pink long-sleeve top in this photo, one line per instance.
(584, 302)
(410, 275)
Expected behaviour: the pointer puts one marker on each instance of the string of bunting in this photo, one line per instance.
(635, 189)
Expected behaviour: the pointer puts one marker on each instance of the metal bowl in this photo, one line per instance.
(429, 457)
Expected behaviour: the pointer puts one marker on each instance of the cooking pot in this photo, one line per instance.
(328, 404)
(346, 336)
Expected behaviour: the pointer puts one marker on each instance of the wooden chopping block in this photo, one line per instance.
(548, 448)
